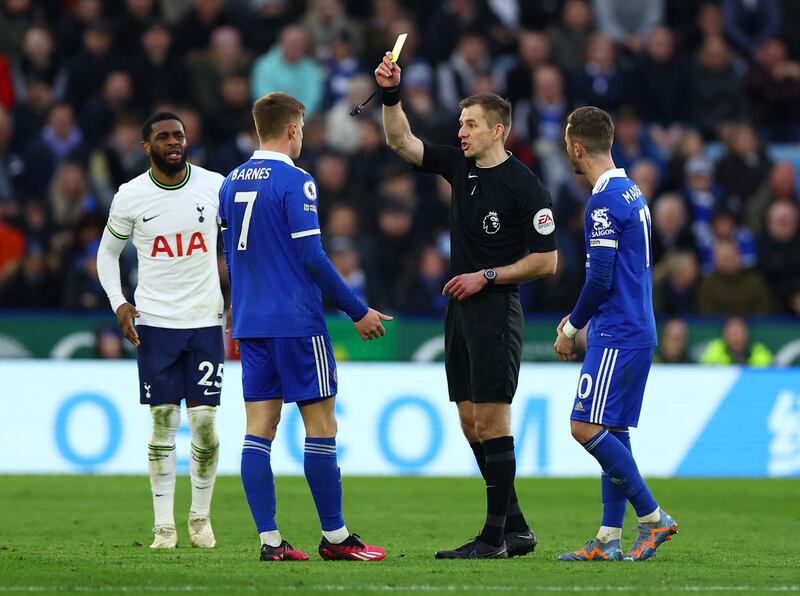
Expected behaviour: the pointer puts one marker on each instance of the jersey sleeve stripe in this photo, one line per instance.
(117, 234)
(603, 242)
(305, 233)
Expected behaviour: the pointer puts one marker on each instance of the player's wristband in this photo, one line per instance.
(570, 330)
(390, 96)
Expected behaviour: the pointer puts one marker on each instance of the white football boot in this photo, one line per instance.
(201, 533)
(166, 536)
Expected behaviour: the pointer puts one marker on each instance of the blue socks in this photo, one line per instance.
(325, 481)
(614, 500)
(618, 463)
(258, 481)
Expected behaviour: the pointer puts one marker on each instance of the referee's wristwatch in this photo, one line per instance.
(489, 275)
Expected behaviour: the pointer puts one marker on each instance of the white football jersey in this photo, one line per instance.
(174, 230)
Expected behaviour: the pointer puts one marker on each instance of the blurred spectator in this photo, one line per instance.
(90, 67)
(599, 82)
(434, 123)
(100, 112)
(724, 228)
(670, 229)
(346, 260)
(773, 90)
(131, 23)
(709, 22)
(119, 159)
(551, 293)
(58, 141)
(342, 69)
(69, 195)
(646, 175)
(109, 344)
(716, 87)
(735, 347)
(632, 143)
(16, 16)
(456, 78)
(377, 36)
(343, 129)
(675, 280)
(325, 22)
(743, 168)
(689, 145)
(234, 115)
(781, 186)
(333, 178)
(29, 117)
(702, 196)
(39, 62)
(420, 289)
(449, 23)
(224, 58)
(268, 18)
(569, 38)
(779, 252)
(73, 25)
(790, 13)
(36, 225)
(342, 222)
(10, 163)
(193, 31)
(286, 68)
(543, 114)
(662, 76)
(160, 76)
(82, 289)
(535, 15)
(372, 155)
(749, 23)
(197, 152)
(673, 348)
(390, 248)
(235, 152)
(32, 285)
(730, 290)
(628, 23)
(533, 52)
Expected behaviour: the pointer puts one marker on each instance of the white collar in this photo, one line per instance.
(606, 176)
(274, 155)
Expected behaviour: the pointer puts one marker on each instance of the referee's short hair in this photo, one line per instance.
(496, 109)
(592, 128)
(273, 112)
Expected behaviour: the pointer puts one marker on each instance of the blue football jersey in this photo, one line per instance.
(265, 204)
(617, 217)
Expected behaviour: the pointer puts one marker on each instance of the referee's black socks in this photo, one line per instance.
(515, 520)
(500, 468)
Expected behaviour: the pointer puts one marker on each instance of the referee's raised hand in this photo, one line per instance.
(370, 325)
(388, 73)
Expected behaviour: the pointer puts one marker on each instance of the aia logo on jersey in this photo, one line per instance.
(491, 223)
(543, 222)
(178, 247)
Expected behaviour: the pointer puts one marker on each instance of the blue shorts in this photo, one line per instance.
(294, 369)
(180, 363)
(611, 386)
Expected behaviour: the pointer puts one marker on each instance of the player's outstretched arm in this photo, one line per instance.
(371, 325)
(109, 274)
(395, 124)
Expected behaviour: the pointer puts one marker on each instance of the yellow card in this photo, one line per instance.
(398, 46)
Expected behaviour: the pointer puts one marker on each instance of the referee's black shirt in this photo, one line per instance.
(498, 214)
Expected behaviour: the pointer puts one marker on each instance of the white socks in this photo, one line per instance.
(272, 538)
(204, 458)
(336, 536)
(161, 456)
(651, 518)
(606, 534)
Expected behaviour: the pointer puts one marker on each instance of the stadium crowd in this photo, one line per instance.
(704, 95)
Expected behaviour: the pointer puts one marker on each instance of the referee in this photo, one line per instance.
(501, 234)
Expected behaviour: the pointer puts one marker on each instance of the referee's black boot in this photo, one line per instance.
(520, 543)
(475, 549)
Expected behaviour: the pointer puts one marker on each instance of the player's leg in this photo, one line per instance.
(262, 394)
(613, 497)
(204, 383)
(161, 387)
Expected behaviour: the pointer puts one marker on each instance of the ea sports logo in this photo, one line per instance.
(543, 222)
(491, 223)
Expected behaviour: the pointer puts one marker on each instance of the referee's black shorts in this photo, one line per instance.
(483, 346)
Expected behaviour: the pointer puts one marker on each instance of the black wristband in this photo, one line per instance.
(390, 96)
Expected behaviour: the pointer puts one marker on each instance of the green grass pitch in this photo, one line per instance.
(91, 534)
